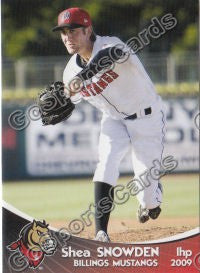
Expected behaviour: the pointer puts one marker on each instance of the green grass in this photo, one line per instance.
(67, 200)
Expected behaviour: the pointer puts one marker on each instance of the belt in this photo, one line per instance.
(147, 111)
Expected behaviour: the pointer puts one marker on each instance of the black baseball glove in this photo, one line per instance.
(53, 104)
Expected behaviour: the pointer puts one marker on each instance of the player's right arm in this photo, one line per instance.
(70, 71)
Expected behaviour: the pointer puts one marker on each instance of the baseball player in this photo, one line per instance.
(114, 80)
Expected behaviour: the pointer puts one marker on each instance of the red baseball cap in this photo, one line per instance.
(73, 18)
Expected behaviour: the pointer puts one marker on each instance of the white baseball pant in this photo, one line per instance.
(145, 137)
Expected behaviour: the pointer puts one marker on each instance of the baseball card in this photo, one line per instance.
(100, 135)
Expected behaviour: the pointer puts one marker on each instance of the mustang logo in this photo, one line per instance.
(35, 241)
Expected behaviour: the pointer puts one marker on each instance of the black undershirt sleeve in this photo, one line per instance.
(104, 59)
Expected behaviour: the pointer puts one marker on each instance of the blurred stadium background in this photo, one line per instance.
(33, 56)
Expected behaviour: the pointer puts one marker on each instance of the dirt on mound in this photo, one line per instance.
(139, 235)
(126, 230)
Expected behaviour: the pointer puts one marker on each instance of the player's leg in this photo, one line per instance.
(147, 135)
(104, 194)
(113, 145)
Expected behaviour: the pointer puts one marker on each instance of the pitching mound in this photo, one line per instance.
(126, 230)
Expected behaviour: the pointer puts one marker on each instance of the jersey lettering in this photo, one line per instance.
(96, 88)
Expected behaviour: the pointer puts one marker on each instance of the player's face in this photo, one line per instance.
(75, 40)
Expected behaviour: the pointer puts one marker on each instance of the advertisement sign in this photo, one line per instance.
(71, 147)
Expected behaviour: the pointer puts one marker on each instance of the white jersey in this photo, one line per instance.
(133, 117)
(119, 92)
